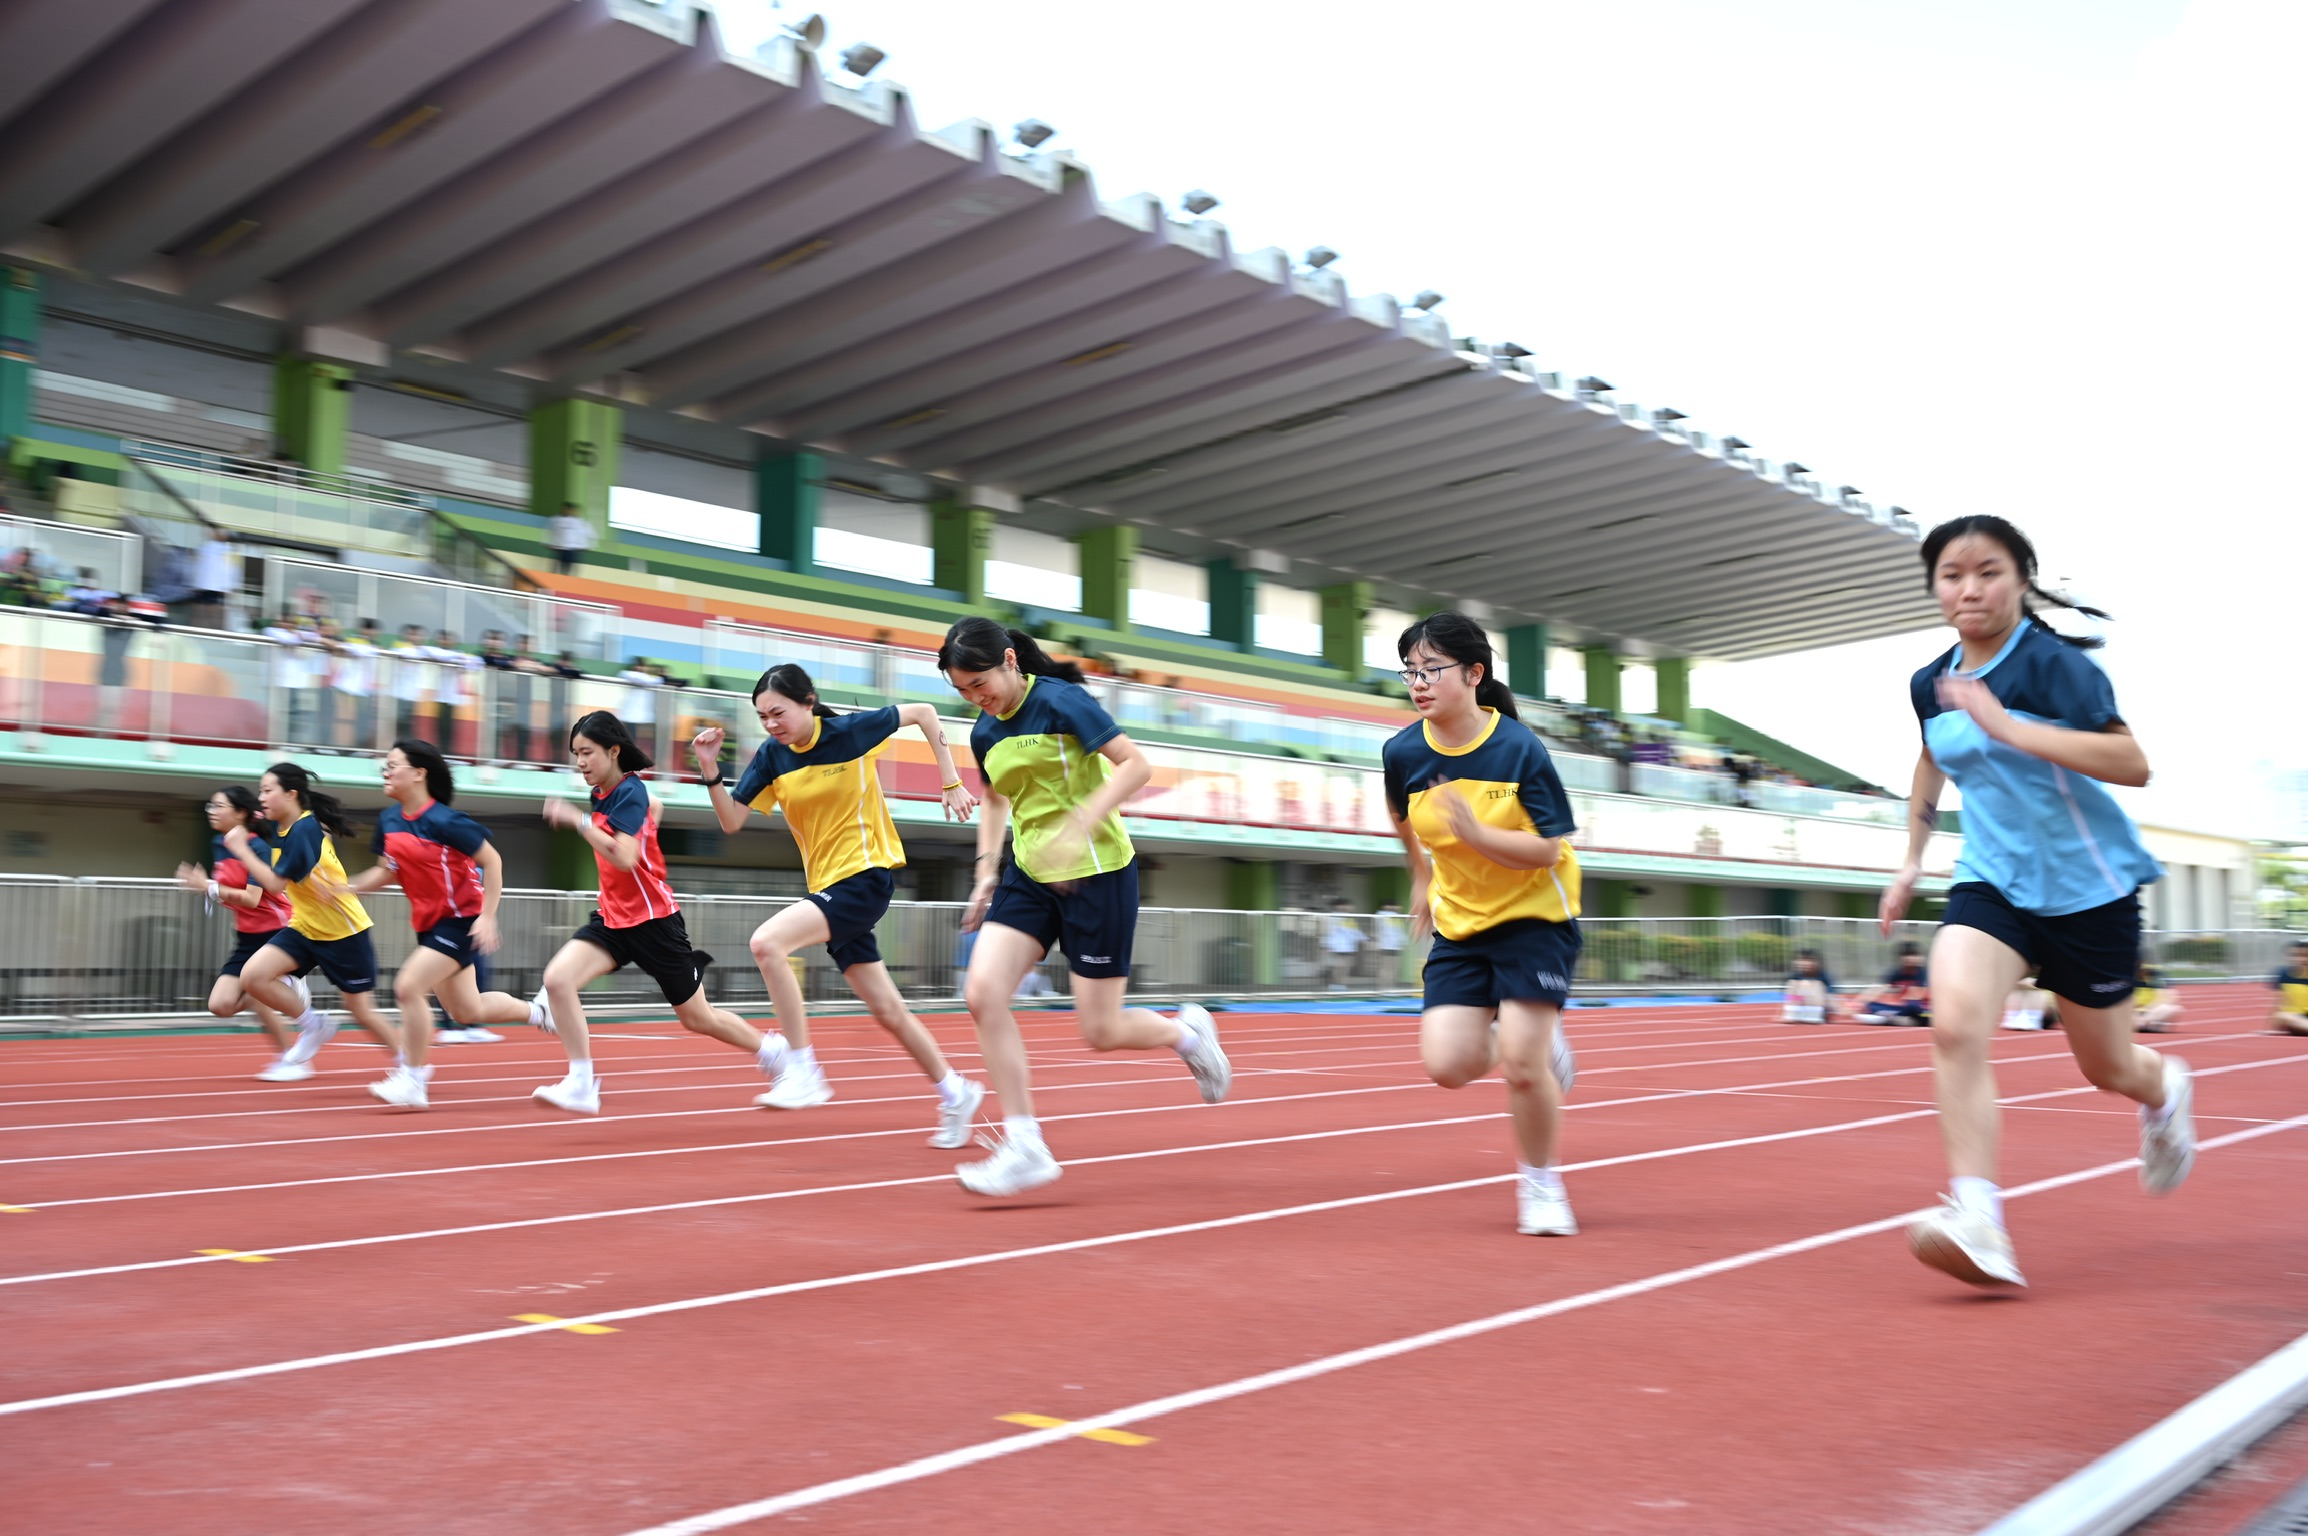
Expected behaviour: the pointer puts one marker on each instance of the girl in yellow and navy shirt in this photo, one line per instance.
(2291, 985)
(1057, 765)
(818, 767)
(1473, 788)
(328, 928)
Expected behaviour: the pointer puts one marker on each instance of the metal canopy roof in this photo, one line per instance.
(595, 196)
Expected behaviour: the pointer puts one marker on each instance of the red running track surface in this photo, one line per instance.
(806, 1309)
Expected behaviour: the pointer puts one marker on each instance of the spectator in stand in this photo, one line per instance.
(357, 655)
(1393, 935)
(412, 675)
(1342, 941)
(2291, 984)
(1904, 997)
(328, 663)
(87, 595)
(1810, 992)
(215, 577)
(640, 711)
(452, 690)
(292, 671)
(528, 667)
(497, 723)
(2030, 1007)
(568, 536)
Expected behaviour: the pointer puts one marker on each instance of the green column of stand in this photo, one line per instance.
(312, 413)
(573, 446)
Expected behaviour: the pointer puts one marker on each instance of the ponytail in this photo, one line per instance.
(1464, 642)
(608, 732)
(2023, 555)
(789, 681)
(976, 644)
(326, 809)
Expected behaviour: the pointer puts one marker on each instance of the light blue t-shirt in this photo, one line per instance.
(2052, 841)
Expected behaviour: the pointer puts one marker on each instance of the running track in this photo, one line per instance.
(1306, 1310)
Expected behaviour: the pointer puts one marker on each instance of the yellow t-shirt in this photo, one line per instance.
(1509, 781)
(307, 859)
(831, 796)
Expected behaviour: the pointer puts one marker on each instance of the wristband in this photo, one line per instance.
(212, 896)
(957, 784)
(715, 782)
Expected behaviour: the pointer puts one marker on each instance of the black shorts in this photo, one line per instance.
(244, 948)
(1527, 960)
(852, 906)
(452, 936)
(658, 948)
(349, 963)
(1093, 919)
(2091, 958)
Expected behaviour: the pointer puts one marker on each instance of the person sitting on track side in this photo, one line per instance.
(1809, 993)
(819, 768)
(1485, 829)
(2291, 984)
(2154, 1010)
(2030, 1007)
(1904, 997)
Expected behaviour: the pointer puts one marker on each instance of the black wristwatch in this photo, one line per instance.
(714, 783)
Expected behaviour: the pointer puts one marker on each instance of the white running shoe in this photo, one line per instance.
(1966, 1245)
(566, 1094)
(1213, 1073)
(1015, 1167)
(797, 1087)
(453, 1035)
(2022, 1019)
(309, 1041)
(541, 1013)
(478, 1036)
(286, 1071)
(1543, 1213)
(2168, 1148)
(401, 1088)
(1564, 1060)
(955, 1120)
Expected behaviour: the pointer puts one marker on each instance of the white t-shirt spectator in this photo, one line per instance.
(215, 568)
(640, 695)
(1393, 932)
(412, 672)
(292, 667)
(1342, 935)
(449, 682)
(569, 532)
(357, 667)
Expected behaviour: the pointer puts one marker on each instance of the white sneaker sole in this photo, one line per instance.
(1040, 1179)
(821, 1094)
(1937, 1248)
(546, 1095)
(965, 1116)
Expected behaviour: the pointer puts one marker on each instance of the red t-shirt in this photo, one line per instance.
(433, 853)
(631, 897)
(230, 874)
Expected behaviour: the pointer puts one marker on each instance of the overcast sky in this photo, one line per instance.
(2029, 257)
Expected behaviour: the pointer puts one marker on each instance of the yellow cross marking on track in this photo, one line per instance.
(1109, 1436)
(565, 1327)
(235, 1255)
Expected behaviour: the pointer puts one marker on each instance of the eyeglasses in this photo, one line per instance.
(1419, 677)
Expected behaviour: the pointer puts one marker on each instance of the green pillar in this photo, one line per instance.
(1389, 882)
(1345, 610)
(569, 861)
(1255, 885)
(1674, 674)
(786, 491)
(1786, 903)
(1107, 554)
(1233, 605)
(1854, 904)
(312, 411)
(1527, 660)
(1612, 898)
(573, 460)
(19, 348)
(961, 537)
(1602, 677)
(1703, 900)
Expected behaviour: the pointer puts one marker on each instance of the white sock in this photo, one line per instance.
(802, 1057)
(1981, 1197)
(423, 1074)
(2152, 1116)
(537, 1011)
(772, 1053)
(309, 1020)
(581, 1072)
(1189, 1041)
(952, 1088)
(1022, 1128)
(1545, 1180)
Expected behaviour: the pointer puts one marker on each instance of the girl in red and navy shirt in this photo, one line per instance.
(453, 876)
(257, 914)
(638, 922)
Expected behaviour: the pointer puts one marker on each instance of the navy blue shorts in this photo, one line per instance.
(658, 948)
(852, 906)
(452, 936)
(350, 964)
(1093, 919)
(244, 948)
(2091, 958)
(1527, 960)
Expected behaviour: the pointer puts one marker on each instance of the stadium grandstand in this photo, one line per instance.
(351, 303)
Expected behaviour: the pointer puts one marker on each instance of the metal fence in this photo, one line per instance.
(97, 953)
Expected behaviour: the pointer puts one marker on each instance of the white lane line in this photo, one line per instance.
(865, 1277)
(1265, 1381)
(761, 1197)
